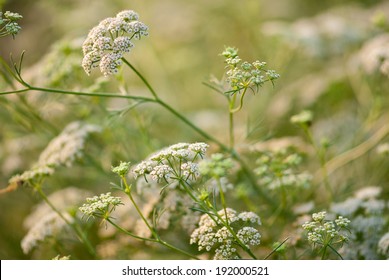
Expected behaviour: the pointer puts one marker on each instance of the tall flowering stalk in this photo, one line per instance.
(243, 76)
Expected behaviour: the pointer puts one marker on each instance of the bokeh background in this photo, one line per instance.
(320, 48)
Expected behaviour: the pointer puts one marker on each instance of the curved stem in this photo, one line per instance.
(78, 231)
(164, 243)
(127, 232)
(141, 77)
(341, 160)
(157, 100)
(234, 110)
(191, 125)
(159, 241)
(128, 192)
(152, 230)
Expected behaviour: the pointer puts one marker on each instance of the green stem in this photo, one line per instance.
(141, 77)
(128, 192)
(222, 198)
(207, 207)
(234, 110)
(78, 231)
(157, 100)
(164, 243)
(127, 232)
(231, 129)
(322, 160)
(335, 251)
(159, 241)
(324, 252)
(152, 230)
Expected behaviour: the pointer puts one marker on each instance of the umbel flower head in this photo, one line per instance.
(8, 24)
(213, 235)
(107, 42)
(243, 75)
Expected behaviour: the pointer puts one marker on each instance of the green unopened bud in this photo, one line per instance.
(303, 118)
(121, 169)
(12, 16)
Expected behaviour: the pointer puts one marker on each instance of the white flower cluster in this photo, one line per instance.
(364, 199)
(368, 225)
(324, 35)
(34, 174)
(107, 42)
(279, 169)
(383, 245)
(374, 55)
(68, 146)
(100, 206)
(49, 226)
(383, 149)
(63, 150)
(176, 161)
(213, 234)
(321, 231)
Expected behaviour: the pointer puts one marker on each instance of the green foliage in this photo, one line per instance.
(311, 139)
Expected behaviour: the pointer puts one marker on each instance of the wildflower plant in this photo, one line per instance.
(241, 76)
(327, 234)
(180, 195)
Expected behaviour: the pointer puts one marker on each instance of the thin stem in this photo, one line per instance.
(127, 232)
(335, 251)
(223, 200)
(164, 243)
(141, 77)
(79, 231)
(231, 119)
(341, 160)
(157, 100)
(231, 129)
(275, 249)
(234, 110)
(152, 230)
(321, 156)
(191, 125)
(14, 91)
(128, 192)
(159, 241)
(207, 207)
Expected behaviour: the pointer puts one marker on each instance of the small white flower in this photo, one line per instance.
(160, 172)
(145, 167)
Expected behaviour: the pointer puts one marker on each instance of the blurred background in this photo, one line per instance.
(330, 54)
